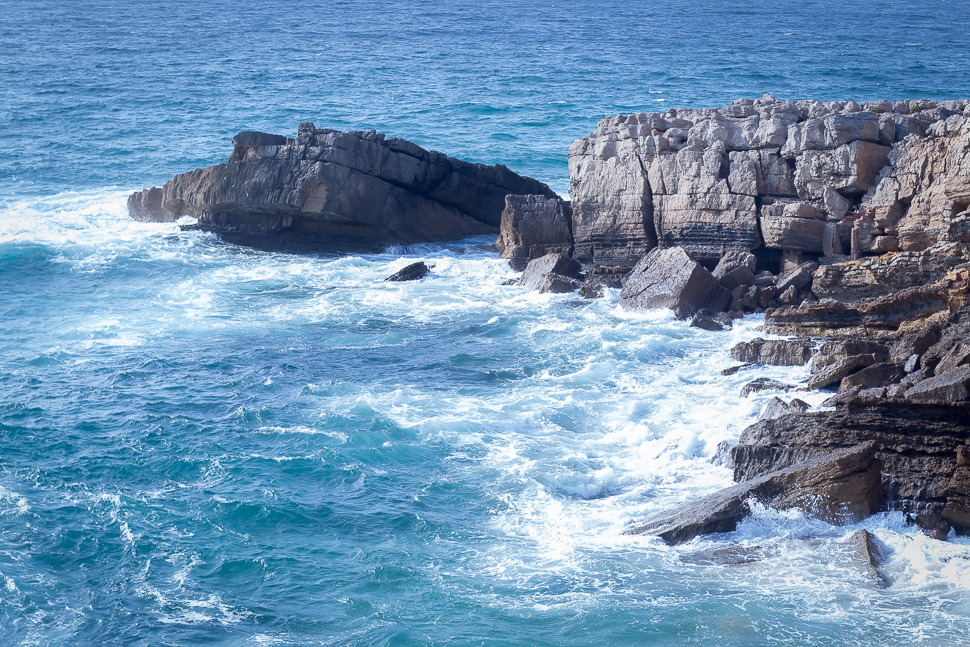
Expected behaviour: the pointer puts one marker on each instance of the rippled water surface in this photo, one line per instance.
(205, 444)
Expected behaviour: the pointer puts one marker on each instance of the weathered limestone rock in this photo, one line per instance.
(835, 372)
(558, 264)
(834, 351)
(843, 487)
(869, 554)
(953, 386)
(872, 376)
(611, 199)
(861, 317)
(763, 384)
(670, 278)
(694, 207)
(925, 185)
(412, 272)
(533, 226)
(878, 276)
(916, 442)
(557, 284)
(774, 352)
(329, 190)
(783, 232)
(850, 169)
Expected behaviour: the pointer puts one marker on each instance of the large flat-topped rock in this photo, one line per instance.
(331, 190)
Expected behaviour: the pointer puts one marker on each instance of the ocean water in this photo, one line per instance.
(206, 444)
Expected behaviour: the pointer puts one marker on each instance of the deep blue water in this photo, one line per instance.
(204, 444)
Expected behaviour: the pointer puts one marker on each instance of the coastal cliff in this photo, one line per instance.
(848, 226)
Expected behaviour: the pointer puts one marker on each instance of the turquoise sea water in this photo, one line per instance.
(205, 444)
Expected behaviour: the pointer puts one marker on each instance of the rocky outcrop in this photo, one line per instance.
(670, 278)
(533, 226)
(917, 443)
(841, 487)
(796, 175)
(330, 190)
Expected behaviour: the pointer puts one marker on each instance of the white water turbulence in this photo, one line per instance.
(207, 443)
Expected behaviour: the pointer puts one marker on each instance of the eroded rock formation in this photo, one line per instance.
(330, 190)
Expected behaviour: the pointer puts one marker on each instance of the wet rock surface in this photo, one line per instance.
(842, 487)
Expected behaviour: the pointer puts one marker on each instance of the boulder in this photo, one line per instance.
(798, 278)
(557, 284)
(842, 487)
(591, 290)
(933, 525)
(831, 352)
(328, 190)
(953, 386)
(533, 226)
(774, 352)
(784, 232)
(872, 376)
(670, 278)
(412, 272)
(868, 553)
(612, 276)
(833, 373)
(957, 356)
(914, 343)
(558, 264)
(776, 408)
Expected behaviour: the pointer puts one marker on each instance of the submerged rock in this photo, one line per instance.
(412, 272)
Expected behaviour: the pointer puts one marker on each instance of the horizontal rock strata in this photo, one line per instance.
(842, 487)
(330, 190)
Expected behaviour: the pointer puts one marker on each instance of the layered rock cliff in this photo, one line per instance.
(770, 176)
(330, 190)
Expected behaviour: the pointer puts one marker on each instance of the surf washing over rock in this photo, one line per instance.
(836, 220)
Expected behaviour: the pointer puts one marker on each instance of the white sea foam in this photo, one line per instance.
(606, 415)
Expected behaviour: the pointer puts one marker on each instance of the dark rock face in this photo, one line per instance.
(774, 352)
(329, 190)
(869, 553)
(412, 272)
(555, 264)
(670, 278)
(533, 226)
(841, 487)
(833, 373)
(918, 444)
